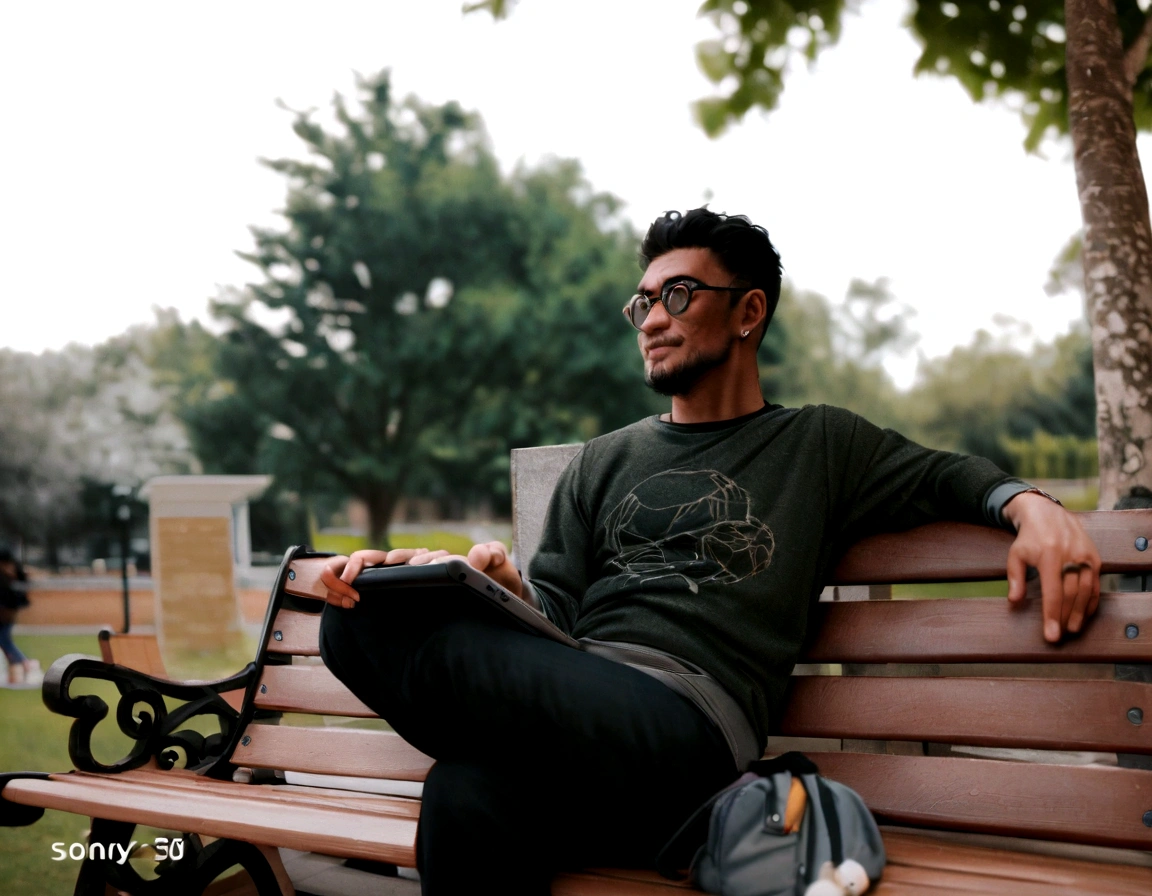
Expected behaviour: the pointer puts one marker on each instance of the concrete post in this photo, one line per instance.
(194, 526)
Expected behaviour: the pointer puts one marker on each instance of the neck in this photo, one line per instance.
(718, 398)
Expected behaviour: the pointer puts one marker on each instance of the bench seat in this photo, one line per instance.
(383, 829)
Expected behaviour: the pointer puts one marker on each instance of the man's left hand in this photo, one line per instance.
(491, 558)
(1051, 540)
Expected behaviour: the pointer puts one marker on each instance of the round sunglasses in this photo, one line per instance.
(675, 297)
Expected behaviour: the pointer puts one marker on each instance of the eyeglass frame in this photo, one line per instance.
(666, 290)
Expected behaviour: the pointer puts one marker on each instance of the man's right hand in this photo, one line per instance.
(340, 572)
(490, 558)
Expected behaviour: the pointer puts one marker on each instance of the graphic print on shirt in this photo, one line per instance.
(696, 525)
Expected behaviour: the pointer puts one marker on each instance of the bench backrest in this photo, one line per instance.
(948, 713)
(534, 474)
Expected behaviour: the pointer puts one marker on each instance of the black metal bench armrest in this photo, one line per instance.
(158, 733)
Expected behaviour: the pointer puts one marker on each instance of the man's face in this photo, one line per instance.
(679, 351)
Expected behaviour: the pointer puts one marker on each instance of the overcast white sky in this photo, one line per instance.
(131, 133)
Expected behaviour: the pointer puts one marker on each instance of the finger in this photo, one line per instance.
(488, 556)
(1017, 574)
(499, 553)
(1094, 600)
(1087, 594)
(1070, 588)
(480, 556)
(330, 572)
(403, 555)
(330, 578)
(1052, 596)
(352, 568)
(426, 556)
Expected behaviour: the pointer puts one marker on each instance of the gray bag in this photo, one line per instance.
(747, 852)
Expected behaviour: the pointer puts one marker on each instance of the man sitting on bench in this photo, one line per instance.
(685, 551)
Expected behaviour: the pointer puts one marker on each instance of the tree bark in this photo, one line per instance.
(380, 501)
(1117, 260)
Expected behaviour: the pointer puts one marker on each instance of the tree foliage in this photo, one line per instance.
(78, 421)
(988, 397)
(1033, 412)
(419, 313)
(1012, 49)
(819, 353)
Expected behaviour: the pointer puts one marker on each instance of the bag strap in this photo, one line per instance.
(670, 859)
(805, 769)
(831, 819)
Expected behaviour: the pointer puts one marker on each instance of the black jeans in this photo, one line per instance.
(547, 757)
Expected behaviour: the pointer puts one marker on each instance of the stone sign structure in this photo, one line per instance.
(199, 533)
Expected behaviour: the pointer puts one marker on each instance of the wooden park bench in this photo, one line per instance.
(995, 762)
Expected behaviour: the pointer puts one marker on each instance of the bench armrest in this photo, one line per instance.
(158, 733)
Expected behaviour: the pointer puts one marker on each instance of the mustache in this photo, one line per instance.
(660, 343)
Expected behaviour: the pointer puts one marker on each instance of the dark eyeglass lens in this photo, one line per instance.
(638, 309)
(676, 299)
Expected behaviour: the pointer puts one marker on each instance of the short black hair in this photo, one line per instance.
(742, 247)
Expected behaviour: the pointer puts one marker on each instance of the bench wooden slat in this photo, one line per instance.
(350, 800)
(332, 751)
(980, 869)
(223, 809)
(1083, 804)
(900, 880)
(962, 551)
(304, 578)
(925, 865)
(953, 630)
(299, 634)
(997, 712)
(310, 689)
(975, 629)
(136, 651)
(934, 552)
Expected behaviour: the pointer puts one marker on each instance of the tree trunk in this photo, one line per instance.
(1117, 260)
(380, 501)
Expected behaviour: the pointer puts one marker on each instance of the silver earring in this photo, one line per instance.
(744, 334)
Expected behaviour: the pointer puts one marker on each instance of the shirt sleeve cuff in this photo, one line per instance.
(531, 597)
(998, 496)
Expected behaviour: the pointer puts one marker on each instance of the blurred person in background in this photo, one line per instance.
(22, 672)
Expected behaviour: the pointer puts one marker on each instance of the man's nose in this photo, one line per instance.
(658, 318)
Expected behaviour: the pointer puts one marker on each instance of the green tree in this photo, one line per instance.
(419, 313)
(1078, 67)
(989, 398)
(815, 353)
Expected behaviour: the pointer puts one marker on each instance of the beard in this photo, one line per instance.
(683, 379)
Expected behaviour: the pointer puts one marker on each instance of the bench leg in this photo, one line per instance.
(189, 870)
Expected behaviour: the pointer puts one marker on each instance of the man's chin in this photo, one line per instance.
(683, 379)
(671, 382)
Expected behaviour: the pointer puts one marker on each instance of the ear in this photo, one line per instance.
(751, 310)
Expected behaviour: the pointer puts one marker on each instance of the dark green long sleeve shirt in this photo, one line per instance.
(711, 541)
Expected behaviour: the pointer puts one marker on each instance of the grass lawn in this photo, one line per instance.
(434, 541)
(34, 739)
